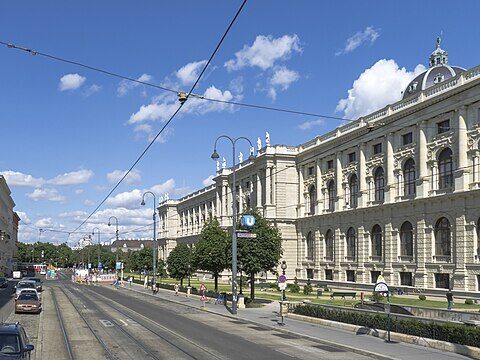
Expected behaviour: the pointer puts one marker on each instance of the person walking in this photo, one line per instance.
(176, 287)
(130, 280)
(145, 282)
(449, 299)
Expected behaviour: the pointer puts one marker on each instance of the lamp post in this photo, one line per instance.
(283, 267)
(116, 239)
(154, 233)
(240, 267)
(98, 252)
(189, 269)
(215, 157)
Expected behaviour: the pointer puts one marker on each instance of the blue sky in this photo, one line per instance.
(66, 128)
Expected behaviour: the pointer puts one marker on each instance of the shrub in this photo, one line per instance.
(294, 288)
(307, 289)
(326, 289)
(468, 301)
(422, 297)
(456, 333)
(377, 297)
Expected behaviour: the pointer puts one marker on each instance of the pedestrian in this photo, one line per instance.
(157, 287)
(145, 282)
(449, 299)
(130, 280)
(176, 287)
(153, 286)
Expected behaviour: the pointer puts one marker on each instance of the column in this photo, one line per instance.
(268, 186)
(459, 253)
(258, 195)
(390, 195)
(422, 179)
(462, 174)
(422, 254)
(362, 186)
(390, 237)
(338, 182)
(318, 186)
(240, 197)
(301, 202)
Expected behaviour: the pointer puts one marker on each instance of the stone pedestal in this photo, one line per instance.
(241, 301)
(189, 291)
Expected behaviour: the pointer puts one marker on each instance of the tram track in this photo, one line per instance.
(62, 325)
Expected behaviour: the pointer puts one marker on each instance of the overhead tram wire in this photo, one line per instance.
(169, 120)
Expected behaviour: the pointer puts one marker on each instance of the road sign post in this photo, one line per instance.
(382, 288)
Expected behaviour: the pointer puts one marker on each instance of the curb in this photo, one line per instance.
(370, 354)
(409, 339)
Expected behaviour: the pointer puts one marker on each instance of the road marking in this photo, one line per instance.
(106, 323)
(123, 322)
(132, 322)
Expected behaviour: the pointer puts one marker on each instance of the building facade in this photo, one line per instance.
(8, 230)
(395, 192)
(126, 245)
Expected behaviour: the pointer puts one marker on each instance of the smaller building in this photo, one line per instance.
(131, 244)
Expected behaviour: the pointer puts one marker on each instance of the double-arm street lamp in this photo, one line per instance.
(154, 232)
(215, 157)
(98, 253)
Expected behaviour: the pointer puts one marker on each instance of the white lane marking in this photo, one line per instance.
(132, 322)
(123, 322)
(106, 323)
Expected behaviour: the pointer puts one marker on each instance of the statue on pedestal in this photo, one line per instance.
(259, 144)
(240, 158)
(267, 139)
(218, 165)
(224, 163)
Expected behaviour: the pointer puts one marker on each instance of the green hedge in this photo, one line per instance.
(454, 333)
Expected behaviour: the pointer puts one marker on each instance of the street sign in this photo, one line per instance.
(248, 220)
(381, 287)
(100, 265)
(282, 286)
(282, 278)
(119, 265)
(89, 265)
(246, 235)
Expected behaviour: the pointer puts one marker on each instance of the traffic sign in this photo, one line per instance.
(282, 286)
(381, 287)
(246, 235)
(100, 265)
(248, 220)
(282, 278)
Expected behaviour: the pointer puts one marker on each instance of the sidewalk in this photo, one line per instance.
(267, 316)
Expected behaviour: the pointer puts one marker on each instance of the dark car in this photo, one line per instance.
(38, 283)
(3, 282)
(28, 302)
(14, 343)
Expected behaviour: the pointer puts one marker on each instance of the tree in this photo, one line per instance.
(262, 253)
(178, 261)
(211, 251)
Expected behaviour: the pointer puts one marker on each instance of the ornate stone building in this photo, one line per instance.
(395, 192)
(8, 230)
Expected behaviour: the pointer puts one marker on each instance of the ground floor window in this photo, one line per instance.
(328, 274)
(442, 281)
(478, 282)
(309, 273)
(406, 279)
(375, 275)
(351, 275)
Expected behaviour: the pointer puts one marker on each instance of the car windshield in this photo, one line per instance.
(35, 279)
(28, 296)
(25, 285)
(9, 344)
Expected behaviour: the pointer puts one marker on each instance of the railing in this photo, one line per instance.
(442, 258)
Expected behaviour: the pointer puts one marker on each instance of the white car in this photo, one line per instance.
(29, 291)
(25, 284)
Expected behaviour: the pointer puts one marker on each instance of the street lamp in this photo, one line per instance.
(98, 253)
(283, 267)
(240, 267)
(154, 233)
(215, 157)
(116, 238)
(189, 268)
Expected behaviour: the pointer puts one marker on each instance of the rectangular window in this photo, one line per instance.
(351, 275)
(329, 164)
(407, 138)
(310, 171)
(406, 279)
(328, 274)
(374, 276)
(478, 282)
(352, 157)
(443, 126)
(309, 273)
(377, 148)
(442, 281)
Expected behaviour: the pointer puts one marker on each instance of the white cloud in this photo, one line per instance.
(154, 111)
(79, 191)
(189, 73)
(115, 176)
(376, 87)
(92, 89)
(15, 178)
(71, 82)
(44, 223)
(132, 199)
(208, 181)
(369, 35)
(23, 217)
(281, 79)
(72, 214)
(49, 194)
(309, 124)
(264, 52)
(72, 178)
(236, 85)
(88, 203)
(125, 85)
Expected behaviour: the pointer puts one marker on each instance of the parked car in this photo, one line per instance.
(25, 284)
(14, 343)
(28, 302)
(39, 283)
(30, 291)
(3, 282)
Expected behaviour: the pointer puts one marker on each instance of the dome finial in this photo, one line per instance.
(439, 41)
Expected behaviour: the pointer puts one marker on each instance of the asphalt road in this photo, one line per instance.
(133, 326)
(7, 296)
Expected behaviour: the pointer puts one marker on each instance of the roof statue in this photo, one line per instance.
(267, 139)
(224, 163)
(259, 144)
(252, 150)
(240, 157)
(218, 165)
(161, 199)
(166, 196)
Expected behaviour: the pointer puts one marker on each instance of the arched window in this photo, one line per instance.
(312, 196)
(310, 245)
(406, 239)
(332, 194)
(409, 177)
(443, 237)
(329, 245)
(353, 187)
(445, 169)
(376, 238)
(351, 240)
(379, 185)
